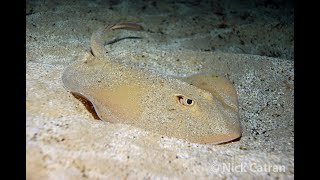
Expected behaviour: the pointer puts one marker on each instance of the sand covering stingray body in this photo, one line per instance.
(201, 108)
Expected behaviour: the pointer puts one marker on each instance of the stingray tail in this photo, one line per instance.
(98, 40)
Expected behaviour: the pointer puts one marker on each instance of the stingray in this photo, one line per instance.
(201, 108)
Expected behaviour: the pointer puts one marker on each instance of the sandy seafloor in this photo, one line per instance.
(249, 42)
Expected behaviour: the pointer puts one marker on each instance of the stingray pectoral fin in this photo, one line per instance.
(119, 104)
(218, 86)
(219, 139)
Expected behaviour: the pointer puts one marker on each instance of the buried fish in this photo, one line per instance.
(200, 108)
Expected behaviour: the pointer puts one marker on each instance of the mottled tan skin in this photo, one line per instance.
(200, 108)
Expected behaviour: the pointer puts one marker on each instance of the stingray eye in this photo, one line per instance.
(189, 101)
(184, 100)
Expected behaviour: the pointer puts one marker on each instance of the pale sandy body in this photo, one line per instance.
(158, 103)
